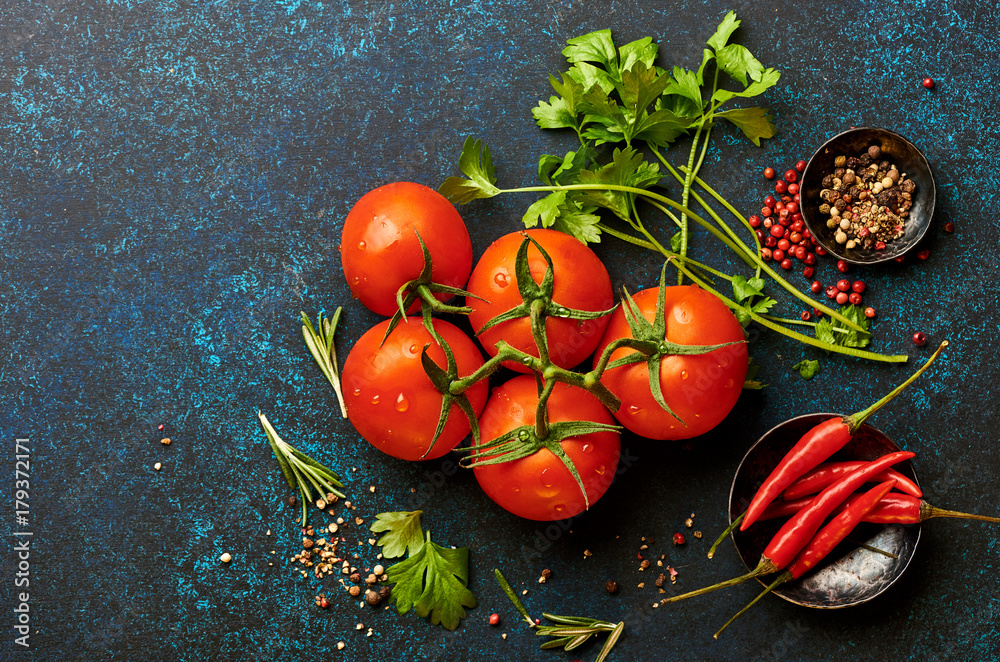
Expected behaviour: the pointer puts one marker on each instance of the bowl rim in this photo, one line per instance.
(922, 162)
(764, 581)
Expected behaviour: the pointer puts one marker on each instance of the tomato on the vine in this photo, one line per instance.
(391, 401)
(380, 251)
(701, 389)
(581, 282)
(540, 486)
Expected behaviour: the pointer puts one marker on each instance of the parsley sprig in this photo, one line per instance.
(432, 580)
(617, 97)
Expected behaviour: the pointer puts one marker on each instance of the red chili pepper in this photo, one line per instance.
(831, 535)
(906, 509)
(824, 474)
(800, 529)
(817, 445)
(797, 532)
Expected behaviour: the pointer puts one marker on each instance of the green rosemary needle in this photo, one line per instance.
(301, 471)
(569, 632)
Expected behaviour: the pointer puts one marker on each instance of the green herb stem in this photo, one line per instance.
(808, 340)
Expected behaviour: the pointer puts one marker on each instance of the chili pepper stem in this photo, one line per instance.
(765, 567)
(927, 511)
(782, 578)
(854, 421)
(729, 529)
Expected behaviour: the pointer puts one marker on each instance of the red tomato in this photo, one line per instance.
(580, 282)
(391, 401)
(380, 251)
(540, 486)
(701, 389)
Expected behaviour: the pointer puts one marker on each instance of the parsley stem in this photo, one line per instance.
(685, 195)
(737, 247)
(808, 340)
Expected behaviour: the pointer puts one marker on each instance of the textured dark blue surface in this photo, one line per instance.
(175, 175)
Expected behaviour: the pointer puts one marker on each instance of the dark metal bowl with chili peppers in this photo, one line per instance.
(852, 574)
(893, 149)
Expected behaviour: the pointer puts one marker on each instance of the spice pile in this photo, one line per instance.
(783, 236)
(867, 200)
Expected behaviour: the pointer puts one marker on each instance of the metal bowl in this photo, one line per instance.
(851, 574)
(899, 151)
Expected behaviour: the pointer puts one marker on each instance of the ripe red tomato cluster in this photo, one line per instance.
(395, 406)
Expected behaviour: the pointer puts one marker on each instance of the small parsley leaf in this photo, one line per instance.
(738, 62)
(402, 530)
(755, 123)
(836, 332)
(561, 111)
(807, 368)
(476, 163)
(725, 30)
(433, 582)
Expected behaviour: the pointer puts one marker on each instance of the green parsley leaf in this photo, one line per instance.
(555, 170)
(747, 288)
(685, 84)
(433, 581)
(476, 163)
(402, 531)
(592, 47)
(754, 122)
(641, 50)
(725, 30)
(837, 333)
(627, 168)
(807, 368)
(752, 383)
(738, 62)
(561, 111)
(768, 78)
(675, 242)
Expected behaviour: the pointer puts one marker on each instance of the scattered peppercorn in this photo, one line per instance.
(679, 539)
(929, 83)
(660, 580)
(949, 227)
(611, 587)
(226, 557)
(923, 254)
(494, 619)
(354, 591)
(769, 173)
(372, 598)
(919, 338)
(869, 312)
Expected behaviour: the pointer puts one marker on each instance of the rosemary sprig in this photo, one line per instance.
(300, 470)
(568, 632)
(319, 340)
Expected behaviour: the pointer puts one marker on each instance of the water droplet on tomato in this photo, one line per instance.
(585, 327)
(515, 489)
(723, 361)
(501, 278)
(634, 409)
(546, 478)
(355, 280)
(362, 245)
(559, 508)
(526, 360)
(338, 248)
(600, 470)
(684, 374)
(357, 391)
(681, 316)
(729, 383)
(376, 399)
(402, 404)
(523, 435)
(562, 312)
(588, 448)
(412, 350)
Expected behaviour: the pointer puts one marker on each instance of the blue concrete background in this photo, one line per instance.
(174, 179)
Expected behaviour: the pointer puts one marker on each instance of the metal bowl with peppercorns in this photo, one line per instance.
(867, 195)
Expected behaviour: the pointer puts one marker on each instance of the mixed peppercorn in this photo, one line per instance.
(866, 199)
